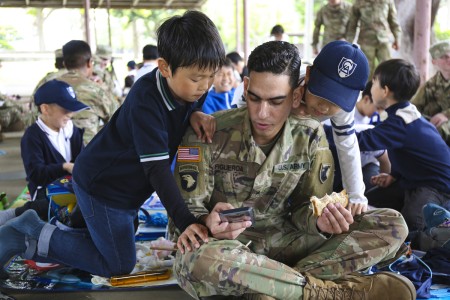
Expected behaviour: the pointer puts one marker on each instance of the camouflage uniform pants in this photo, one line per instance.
(10, 118)
(375, 55)
(228, 267)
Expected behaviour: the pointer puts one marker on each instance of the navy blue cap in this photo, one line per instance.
(58, 92)
(339, 73)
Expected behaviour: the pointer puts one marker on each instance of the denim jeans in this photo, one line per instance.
(108, 249)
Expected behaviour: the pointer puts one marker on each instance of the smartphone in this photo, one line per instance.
(237, 215)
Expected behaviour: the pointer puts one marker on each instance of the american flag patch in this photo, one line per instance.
(189, 154)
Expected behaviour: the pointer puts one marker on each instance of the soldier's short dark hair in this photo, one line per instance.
(150, 52)
(400, 76)
(276, 57)
(190, 39)
(76, 54)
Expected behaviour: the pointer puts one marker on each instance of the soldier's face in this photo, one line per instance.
(270, 100)
(443, 63)
(188, 84)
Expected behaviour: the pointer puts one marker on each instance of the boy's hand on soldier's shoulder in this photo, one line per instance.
(204, 126)
(357, 208)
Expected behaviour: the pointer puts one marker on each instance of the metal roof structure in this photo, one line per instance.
(113, 4)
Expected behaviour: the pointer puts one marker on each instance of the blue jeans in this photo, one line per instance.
(108, 249)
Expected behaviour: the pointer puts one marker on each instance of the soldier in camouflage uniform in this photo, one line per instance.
(375, 18)
(104, 69)
(11, 115)
(334, 17)
(78, 61)
(264, 157)
(433, 98)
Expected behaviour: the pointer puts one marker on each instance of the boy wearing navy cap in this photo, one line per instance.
(419, 157)
(330, 90)
(130, 158)
(50, 146)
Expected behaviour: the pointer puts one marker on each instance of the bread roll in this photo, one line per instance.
(319, 204)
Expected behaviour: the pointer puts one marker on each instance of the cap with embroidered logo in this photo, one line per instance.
(339, 73)
(58, 92)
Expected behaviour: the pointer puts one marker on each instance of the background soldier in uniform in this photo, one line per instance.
(433, 98)
(104, 69)
(264, 157)
(376, 18)
(334, 17)
(78, 61)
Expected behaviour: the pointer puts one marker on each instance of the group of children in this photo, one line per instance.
(131, 156)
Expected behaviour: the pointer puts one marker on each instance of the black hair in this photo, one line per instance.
(228, 63)
(59, 63)
(277, 30)
(366, 91)
(76, 54)
(150, 52)
(276, 57)
(400, 76)
(235, 57)
(190, 39)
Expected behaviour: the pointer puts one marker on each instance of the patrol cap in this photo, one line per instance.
(439, 49)
(339, 73)
(58, 53)
(104, 51)
(58, 92)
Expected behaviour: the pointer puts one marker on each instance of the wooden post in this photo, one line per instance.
(422, 27)
(246, 31)
(87, 7)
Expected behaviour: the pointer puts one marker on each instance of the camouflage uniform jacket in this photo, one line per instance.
(434, 96)
(334, 18)
(376, 18)
(234, 169)
(100, 101)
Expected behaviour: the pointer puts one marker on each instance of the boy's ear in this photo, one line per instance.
(164, 68)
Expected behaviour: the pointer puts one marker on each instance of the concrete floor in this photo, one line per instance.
(12, 181)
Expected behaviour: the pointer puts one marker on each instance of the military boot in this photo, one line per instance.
(382, 285)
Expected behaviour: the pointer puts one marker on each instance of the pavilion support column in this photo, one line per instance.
(422, 25)
(87, 7)
(246, 31)
(238, 27)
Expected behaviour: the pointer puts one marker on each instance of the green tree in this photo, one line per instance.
(8, 34)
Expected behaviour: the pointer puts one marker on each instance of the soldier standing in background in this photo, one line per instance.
(104, 69)
(334, 17)
(79, 63)
(433, 98)
(375, 18)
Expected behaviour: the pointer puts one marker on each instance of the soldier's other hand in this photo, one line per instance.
(188, 239)
(204, 126)
(382, 180)
(438, 119)
(357, 208)
(224, 230)
(396, 45)
(335, 219)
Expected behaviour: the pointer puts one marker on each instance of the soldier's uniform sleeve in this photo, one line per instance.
(317, 24)
(193, 175)
(419, 99)
(393, 23)
(353, 23)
